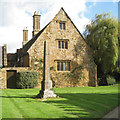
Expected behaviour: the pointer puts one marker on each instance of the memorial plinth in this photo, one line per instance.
(46, 84)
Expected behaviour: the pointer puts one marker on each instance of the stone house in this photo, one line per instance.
(71, 61)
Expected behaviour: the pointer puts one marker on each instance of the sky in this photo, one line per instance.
(15, 15)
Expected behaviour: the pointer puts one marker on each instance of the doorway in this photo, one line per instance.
(11, 79)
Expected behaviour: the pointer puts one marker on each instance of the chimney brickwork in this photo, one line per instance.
(4, 54)
(25, 36)
(36, 23)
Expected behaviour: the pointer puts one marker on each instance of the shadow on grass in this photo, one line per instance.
(21, 96)
(80, 105)
(84, 105)
(55, 119)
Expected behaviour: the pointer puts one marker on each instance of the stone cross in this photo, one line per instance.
(46, 84)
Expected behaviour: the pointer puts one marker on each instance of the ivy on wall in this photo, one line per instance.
(37, 64)
(72, 77)
(27, 79)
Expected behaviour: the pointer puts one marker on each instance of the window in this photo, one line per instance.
(58, 66)
(68, 66)
(62, 26)
(63, 65)
(59, 44)
(62, 44)
(66, 45)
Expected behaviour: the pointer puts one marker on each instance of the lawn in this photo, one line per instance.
(76, 102)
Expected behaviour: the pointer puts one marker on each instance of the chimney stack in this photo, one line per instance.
(4, 55)
(36, 23)
(25, 36)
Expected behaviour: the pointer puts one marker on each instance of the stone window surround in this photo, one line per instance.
(63, 24)
(63, 61)
(64, 40)
(62, 44)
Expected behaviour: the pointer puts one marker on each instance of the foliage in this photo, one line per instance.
(40, 68)
(110, 80)
(102, 80)
(118, 67)
(102, 36)
(27, 79)
(75, 102)
(36, 64)
(52, 68)
(77, 72)
(41, 60)
(78, 67)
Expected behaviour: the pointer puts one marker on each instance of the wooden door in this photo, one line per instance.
(11, 79)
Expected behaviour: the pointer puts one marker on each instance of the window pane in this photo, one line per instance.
(68, 66)
(61, 66)
(60, 25)
(63, 44)
(59, 46)
(64, 66)
(63, 26)
(58, 66)
(66, 45)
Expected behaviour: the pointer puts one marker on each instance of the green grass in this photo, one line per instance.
(76, 102)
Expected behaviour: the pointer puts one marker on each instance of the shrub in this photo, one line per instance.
(110, 80)
(52, 68)
(102, 81)
(27, 79)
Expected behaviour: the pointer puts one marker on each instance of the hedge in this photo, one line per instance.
(27, 79)
(110, 80)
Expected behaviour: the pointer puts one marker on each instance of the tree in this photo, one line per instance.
(117, 73)
(102, 36)
(118, 70)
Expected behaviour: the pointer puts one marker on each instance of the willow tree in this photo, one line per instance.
(102, 36)
(118, 68)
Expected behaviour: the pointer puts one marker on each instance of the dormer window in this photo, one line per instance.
(62, 25)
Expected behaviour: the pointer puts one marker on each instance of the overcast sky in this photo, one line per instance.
(17, 14)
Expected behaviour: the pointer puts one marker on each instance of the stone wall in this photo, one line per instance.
(78, 53)
(11, 59)
(3, 73)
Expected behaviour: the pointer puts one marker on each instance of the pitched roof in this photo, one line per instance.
(31, 42)
(73, 23)
(77, 30)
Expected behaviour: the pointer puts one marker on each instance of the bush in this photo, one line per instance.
(102, 81)
(27, 79)
(110, 80)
